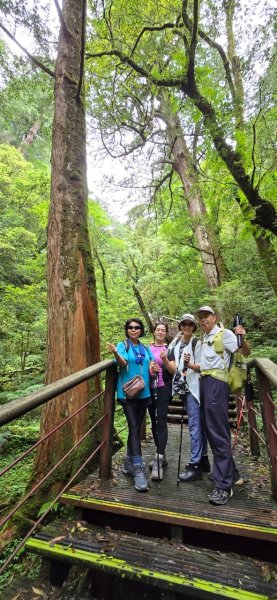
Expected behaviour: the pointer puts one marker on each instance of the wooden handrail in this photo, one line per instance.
(21, 406)
(266, 373)
(266, 366)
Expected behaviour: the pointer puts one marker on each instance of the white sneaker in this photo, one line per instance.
(157, 469)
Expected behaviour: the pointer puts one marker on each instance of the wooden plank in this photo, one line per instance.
(160, 563)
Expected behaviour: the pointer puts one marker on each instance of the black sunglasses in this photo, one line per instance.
(134, 327)
(188, 323)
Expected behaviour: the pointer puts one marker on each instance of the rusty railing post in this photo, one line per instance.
(106, 452)
(252, 422)
(269, 422)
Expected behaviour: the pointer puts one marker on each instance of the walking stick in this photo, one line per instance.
(239, 421)
(156, 419)
(186, 390)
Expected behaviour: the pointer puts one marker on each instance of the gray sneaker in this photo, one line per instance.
(140, 480)
(128, 467)
(220, 497)
(157, 469)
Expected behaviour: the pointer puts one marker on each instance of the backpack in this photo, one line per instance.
(177, 339)
(237, 373)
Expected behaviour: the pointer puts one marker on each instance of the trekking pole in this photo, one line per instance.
(186, 390)
(156, 420)
(239, 421)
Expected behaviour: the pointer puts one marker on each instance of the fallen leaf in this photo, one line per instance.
(109, 548)
(102, 538)
(38, 591)
(266, 573)
(54, 541)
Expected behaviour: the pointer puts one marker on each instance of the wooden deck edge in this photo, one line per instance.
(162, 579)
(186, 520)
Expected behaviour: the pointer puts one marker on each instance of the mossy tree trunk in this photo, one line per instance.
(73, 334)
(183, 164)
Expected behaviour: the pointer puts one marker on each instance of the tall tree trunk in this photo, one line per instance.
(143, 307)
(73, 335)
(29, 138)
(183, 162)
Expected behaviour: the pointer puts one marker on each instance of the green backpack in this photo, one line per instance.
(237, 373)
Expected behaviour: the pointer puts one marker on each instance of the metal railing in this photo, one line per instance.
(21, 406)
(266, 376)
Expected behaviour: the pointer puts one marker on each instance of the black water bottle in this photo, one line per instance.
(238, 321)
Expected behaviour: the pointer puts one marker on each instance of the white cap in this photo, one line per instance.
(188, 317)
(206, 309)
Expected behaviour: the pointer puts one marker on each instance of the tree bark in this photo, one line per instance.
(73, 334)
(29, 138)
(143, 308)
(183, 163)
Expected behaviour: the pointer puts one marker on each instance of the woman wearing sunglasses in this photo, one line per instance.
(185, 358)
(133, 359)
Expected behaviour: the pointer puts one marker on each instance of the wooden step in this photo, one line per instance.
(167, 565)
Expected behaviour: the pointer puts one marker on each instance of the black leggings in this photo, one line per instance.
(158, 415)
(134, 416)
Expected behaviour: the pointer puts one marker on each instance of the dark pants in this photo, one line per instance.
(134, 416)
(214, 413)
(158, 415)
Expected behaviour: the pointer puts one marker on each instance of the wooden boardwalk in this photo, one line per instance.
(169, 542)
(250, 513)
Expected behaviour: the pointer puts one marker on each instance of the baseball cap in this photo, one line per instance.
(188, 317)
(206, 309)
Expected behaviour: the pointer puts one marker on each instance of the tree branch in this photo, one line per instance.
(212, 44)
(30, 56)
(193, 44)
(83, 45)
(127, 60)
(66, 32)
(157, 28)
(103, 273)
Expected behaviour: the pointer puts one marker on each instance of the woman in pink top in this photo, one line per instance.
(161, 392)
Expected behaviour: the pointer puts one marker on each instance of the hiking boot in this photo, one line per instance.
(128, 467)
(220, 497)
(140, 480)
(193, 472)
(237, 479)
(165, 462)
(205, 463)
(157, 469)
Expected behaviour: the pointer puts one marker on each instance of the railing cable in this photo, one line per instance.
(34, 489)
(21, 544)
(24, 454)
